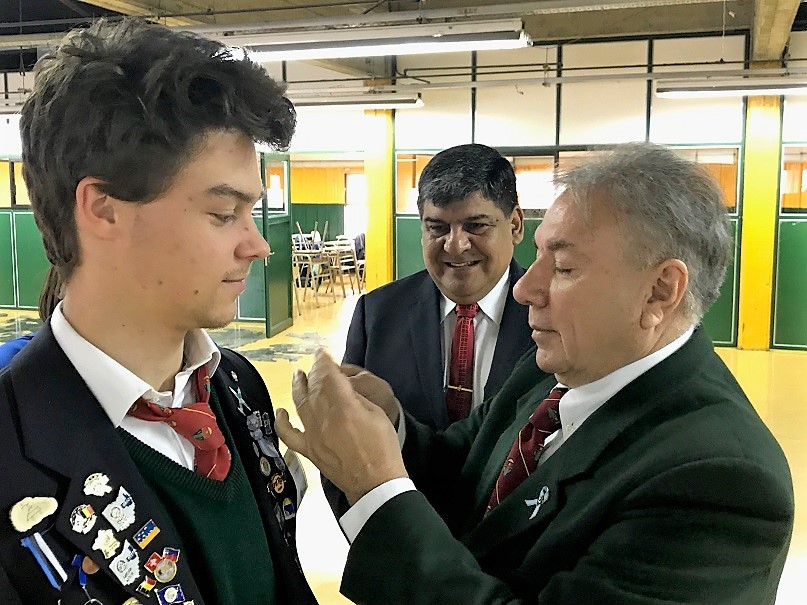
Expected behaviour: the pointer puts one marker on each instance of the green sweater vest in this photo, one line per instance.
(223, 539)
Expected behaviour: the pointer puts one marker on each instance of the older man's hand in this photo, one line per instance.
(346, 436)
(375, 389)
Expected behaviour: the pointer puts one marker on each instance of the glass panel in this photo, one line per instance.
(409, 167)
(275, 185)
(722, 163)
(794, 180)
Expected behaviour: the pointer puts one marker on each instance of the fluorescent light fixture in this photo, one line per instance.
(357, 101)
(381, 41)
(736, 87)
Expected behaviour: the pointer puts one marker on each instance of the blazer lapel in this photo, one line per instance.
(86, 444)
(519, 512)
(513, 331)
(425, 331)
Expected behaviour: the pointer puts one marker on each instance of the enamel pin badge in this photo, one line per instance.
(28, 512)
(537, 502)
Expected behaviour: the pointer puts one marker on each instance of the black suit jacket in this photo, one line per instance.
(673, 491)
(54, 434)
(396, 334)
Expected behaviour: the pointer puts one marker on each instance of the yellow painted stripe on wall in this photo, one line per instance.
(378, 170)
(763, 140)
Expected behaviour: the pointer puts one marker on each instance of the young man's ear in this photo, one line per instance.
(96, 212)
(667, 290)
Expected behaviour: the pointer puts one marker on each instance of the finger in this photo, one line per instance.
(350, 370)
(292, 437)
(89, 566)
(299, 389)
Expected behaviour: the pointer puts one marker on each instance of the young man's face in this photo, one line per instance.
(468, 244)
(188, 252)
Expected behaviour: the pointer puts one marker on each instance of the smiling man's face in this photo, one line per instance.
(468, 245)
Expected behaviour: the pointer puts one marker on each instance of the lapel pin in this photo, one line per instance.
(146, 586)
(97, 484)
(126, 566)
(83, 519)
(537, 502)
(146, 534)
(241, 403)
(131, 601)
(106, 542)
(121, 512)
(31, 510)
(170, 595)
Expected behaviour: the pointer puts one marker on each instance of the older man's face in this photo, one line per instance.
(585, 298)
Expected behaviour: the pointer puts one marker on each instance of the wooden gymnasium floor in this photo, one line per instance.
(774, 380)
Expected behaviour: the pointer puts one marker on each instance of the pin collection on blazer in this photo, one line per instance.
(127, 555)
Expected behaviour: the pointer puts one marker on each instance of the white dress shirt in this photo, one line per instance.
(486, 331)
(116, 388)
(575, 407)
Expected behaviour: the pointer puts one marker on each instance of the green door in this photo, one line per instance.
(277, 231)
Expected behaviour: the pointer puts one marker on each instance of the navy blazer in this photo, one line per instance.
(396, 334)
(54, 434)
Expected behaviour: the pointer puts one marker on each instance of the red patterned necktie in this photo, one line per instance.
(195, 422)
(527, 448)
(460, 389)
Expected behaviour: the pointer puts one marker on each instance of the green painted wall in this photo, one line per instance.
(310, 214)
(7, 297)
(408, 251)
(720, 322)
(32, 264)
(278, 274)
(790, 294)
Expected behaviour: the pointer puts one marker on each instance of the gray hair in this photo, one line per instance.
(669, 208)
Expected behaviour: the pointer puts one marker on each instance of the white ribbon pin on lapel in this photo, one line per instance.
(537, 502)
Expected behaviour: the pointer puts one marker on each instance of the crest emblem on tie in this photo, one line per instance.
(537, 502)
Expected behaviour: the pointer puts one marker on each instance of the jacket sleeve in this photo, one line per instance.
(666, 542)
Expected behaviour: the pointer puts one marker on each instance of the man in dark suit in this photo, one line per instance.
(140, 460)
(628, 467)
(403, 331)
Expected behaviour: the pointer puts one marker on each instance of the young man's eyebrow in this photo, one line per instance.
(225, 190)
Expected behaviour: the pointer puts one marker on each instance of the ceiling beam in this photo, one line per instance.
(772, 22)
(155, 8)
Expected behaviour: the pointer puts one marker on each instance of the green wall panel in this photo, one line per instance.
(524, 252)
(408, 250)
(790, 295)
(7, 297)
(720, 322)
(32, 264)
(310, 214)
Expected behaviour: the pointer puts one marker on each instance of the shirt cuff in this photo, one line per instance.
(354, 519)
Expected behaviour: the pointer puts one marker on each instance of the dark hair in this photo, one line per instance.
(51, 293)
(669, 208)
(130, 103)
(457, 172)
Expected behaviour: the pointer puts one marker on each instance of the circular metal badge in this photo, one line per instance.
(165, 571)
(266, 468)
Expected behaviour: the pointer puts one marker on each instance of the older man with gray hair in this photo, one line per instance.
(628, 468)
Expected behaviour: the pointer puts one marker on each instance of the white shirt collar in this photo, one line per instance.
(115, 387)
(492, 304)
(581, 402)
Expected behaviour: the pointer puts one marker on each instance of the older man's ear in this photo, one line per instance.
(668, 287)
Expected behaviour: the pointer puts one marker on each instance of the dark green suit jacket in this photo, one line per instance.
(674, 491)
